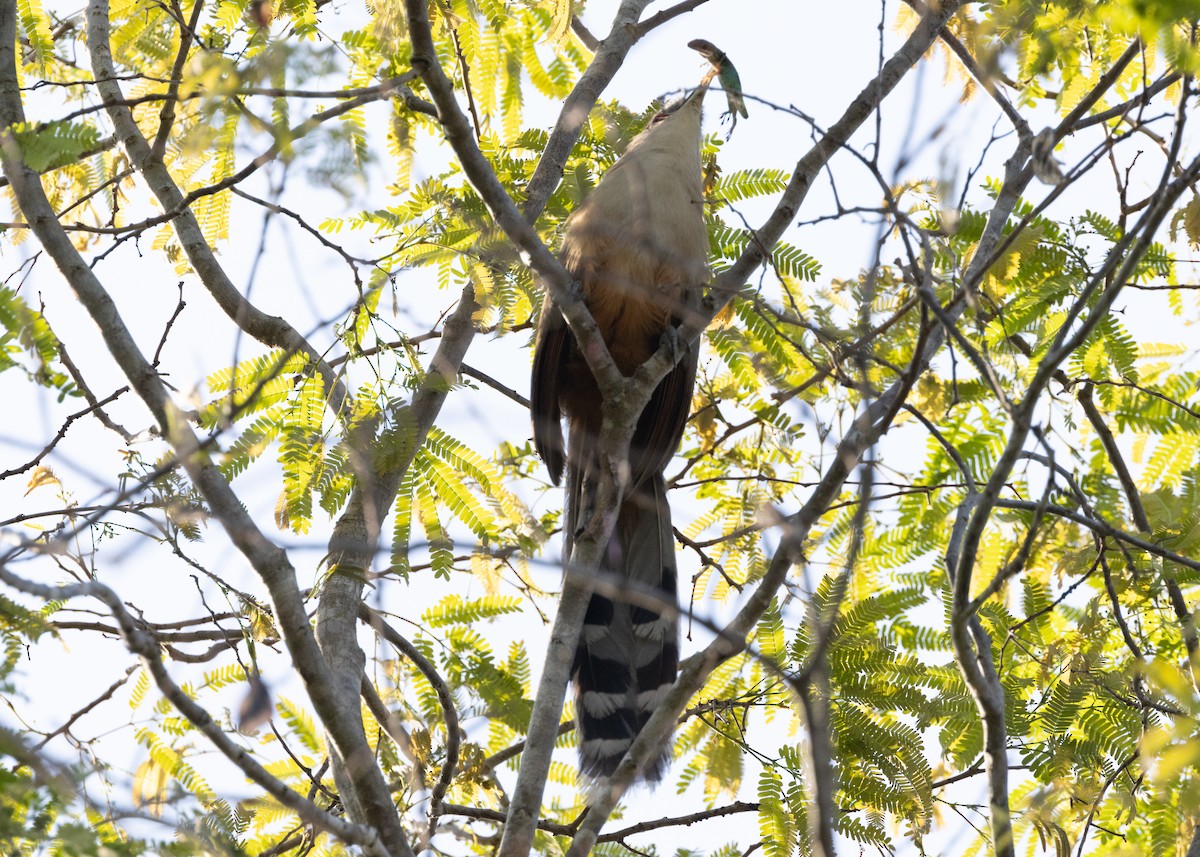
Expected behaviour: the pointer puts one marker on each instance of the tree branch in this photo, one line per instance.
(373, 619)
(267, 559)
(144, 646)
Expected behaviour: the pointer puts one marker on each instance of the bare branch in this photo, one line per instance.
(74, 718)
(983, 78)
(668, 14)
(603, 67)
(62, 432)
(166, 116)
(373, 619)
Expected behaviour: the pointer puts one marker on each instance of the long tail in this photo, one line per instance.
(628, 652)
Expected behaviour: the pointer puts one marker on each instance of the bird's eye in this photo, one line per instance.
(659, 117)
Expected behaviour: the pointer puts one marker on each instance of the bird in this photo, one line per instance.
(638, 247)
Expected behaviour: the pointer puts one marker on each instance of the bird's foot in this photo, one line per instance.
(732, 116)
(670, 339)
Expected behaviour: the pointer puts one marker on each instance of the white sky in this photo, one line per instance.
(815, 56)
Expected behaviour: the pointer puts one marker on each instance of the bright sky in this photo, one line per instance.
(813, 56)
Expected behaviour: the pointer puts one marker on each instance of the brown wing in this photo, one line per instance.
(661, 425)
(549, 357)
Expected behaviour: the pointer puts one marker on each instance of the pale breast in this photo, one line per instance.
(638, 243)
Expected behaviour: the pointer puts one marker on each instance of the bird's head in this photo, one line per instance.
(674, 132)
(693, 102)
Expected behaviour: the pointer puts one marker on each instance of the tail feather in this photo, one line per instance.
(628, 652)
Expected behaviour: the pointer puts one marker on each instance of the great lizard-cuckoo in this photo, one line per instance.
(638, 247)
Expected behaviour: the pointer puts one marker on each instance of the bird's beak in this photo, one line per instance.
(695, 99)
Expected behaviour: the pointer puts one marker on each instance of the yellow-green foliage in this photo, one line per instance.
(1087, 635)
